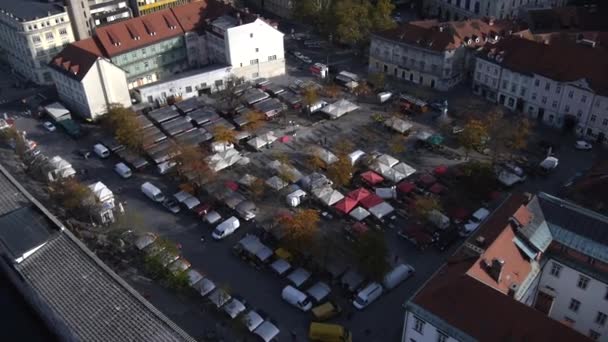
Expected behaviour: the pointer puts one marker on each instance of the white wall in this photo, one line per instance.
(254, 41)
(429, 333)
(592, 299)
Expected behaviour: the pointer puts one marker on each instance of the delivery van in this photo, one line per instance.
(397, 275)
(367, 295)
(101, 151)
(328, 333)
(226, 228)
(296, 298)
(152, 192)
(123, 170)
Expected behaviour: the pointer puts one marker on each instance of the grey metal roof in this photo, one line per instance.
(93, 301)
(537, 232)
(22, 230)
(85, 295)
(30, 9)
(578, 228)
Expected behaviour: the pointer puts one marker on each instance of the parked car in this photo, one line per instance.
(219, 297)
(326, 311)
(447, 238)
(101, 151)
(205, 286)
(267, 331)
(152, 192)
(235, 307)
(397, 275)
(475, 220)
(84, 153)
(319, 291)
(171, 205)
(583, 145)
(298, 277)
(123, 170)
(367, 295)
(212, 217)
(253, 319)
(49, 126)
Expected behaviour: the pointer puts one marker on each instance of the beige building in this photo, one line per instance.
(31, 32)
(87, 83)
(501, 9)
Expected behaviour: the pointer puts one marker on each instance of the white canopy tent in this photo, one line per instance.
(224, 159)
(379, 167)
(387, 160)
(381, 210)
(247, 180)
(398, 124)
(355, 156)
(386, 193)
(393, 175)
(276, 183)
(329, 198)
(315, 180)
(405, 169)
(262, 140)
(339, 108)
(102, 193)
(359, 213)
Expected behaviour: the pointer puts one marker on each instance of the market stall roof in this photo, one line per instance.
(437, 188)
(404, 168)
(232, 185)
(380, 167)
(387, 193)
(345, 205)
(359, 194)
(371, 201)
(330, 197)
(101, 192)
(387, 160)
(315, 180)
(435, 139)
(325, 155)
(381, 210)
(359, 213)
(276, 182)
(339, 108)
(393, 175)
(359, 228)
(427, 179)
(440, 170)
(406, 187)
(355, 156)
(371, 177)
(423, 135)
(398, 124)
(247, 179)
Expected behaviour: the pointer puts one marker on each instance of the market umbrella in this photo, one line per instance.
(426, 179)
(404, 168)
(387, 160)
(371, 177)
(406, 187)
(359, 228)
(359, 213)
(381, 210)
(345, 205)
(359, 194)
(370, 201)
(440, 170)
(276, 183)
(232, 185)
(437, 188)
(285, 139)
(331, 197)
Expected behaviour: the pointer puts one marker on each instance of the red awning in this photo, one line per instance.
(371, 177)
(371, 200)
(437, 188)
(345, 205)
(285, 139)
(359, 194)
(441, 170)
(232, 185)
(426, 179)
(406, 187)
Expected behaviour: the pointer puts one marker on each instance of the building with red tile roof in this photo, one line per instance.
(432, 53)
(516, 276)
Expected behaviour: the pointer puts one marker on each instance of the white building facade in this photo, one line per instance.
(30, 37)
(560, 103)
(87, 83)
(465, 9)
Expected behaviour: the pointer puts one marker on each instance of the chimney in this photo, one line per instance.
(495, 268)
(512, 290)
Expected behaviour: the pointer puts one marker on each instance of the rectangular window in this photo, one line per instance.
(571, 94)
(49, 36)
(567, 108)
(522, 92)
(418, 325)
(505, 84)
(63, 32)
(536, 83)
(554, 105)
(441, 337)
(601, 318)
(272, 58)
(188, 89)
(556, 269)
(605, 122)
(254, 61)
(574, 305)
(544, 99)
(547, 86)
(584, 99)
(558, 89)
(36, 39)
(593, 117)
(533, 96)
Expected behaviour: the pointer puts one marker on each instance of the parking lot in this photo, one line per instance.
(382, 320)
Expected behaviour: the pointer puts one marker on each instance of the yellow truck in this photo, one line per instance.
(323, 332)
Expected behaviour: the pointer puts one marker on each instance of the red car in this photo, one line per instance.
(417, 235)
(202, 209)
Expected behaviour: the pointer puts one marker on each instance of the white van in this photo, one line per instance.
(226, 228)
(123, 170)
(152, 192)
(397, 275)
(366, 296)
(101, 151)
(296, 298)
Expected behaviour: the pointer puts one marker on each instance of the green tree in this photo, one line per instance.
(73, 196)
(382, 15)
(473, 135)
(371, 253)
(353, 21)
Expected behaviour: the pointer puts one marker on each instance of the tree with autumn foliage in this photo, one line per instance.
(371, 253)
(224, 134)
(316, 163)
(310, 96)
(191, 161)
(472, 136)
(301, 228)
(341, 172)
(125, 127)
(255, 120)
(332, 91)
(75, 197)
(423, 205)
